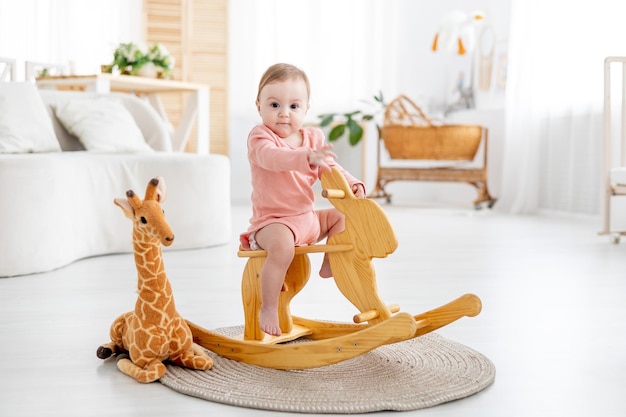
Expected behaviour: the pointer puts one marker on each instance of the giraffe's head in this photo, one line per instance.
(147, 215)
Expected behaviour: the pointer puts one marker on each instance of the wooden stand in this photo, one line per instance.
(614, 149)
(368, 234)
(409, 135)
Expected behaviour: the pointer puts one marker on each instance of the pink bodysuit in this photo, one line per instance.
(282, 182)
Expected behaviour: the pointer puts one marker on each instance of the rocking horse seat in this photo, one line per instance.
(299, 250)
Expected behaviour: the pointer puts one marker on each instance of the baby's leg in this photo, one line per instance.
(332, 222)
(278, 241)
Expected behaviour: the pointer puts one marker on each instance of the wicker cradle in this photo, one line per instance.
(409, 134)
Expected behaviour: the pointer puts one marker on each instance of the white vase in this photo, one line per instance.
(148, 70)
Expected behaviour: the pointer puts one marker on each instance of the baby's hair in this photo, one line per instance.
(283, 72)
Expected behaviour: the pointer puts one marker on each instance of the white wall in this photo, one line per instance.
(81, 32)
(418, 73)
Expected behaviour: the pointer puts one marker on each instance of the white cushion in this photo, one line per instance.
(102, 125)
(25, 125)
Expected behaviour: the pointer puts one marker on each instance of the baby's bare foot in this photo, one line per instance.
(325, 271)
(269, 322)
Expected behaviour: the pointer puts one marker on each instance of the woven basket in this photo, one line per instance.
(409, 134)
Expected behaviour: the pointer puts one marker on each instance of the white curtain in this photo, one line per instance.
(350, 49)
(81, 34)
(554, 99)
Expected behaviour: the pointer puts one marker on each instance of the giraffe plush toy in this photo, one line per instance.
(154, 331)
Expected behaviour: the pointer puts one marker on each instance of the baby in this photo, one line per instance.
(286, 159)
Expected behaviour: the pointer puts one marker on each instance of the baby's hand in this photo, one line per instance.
(319, 157)
(358, 190)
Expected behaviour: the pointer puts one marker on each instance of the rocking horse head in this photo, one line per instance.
(367, 225)
(147, 215)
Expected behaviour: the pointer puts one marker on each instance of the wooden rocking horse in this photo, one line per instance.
(368, 234)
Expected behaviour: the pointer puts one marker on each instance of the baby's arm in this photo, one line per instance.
(263, 150)
(325, 159)
(320, 157)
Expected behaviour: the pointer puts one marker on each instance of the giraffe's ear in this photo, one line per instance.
(125, 206)
(161, 193)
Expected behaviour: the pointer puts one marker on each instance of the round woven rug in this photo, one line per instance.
(417, 373)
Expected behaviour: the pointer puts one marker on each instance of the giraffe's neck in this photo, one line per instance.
(155, 302)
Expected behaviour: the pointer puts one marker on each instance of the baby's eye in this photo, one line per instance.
(275, 105)
(294, 107)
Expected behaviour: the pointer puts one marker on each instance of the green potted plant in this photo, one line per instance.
(350, 122)
(131, 58)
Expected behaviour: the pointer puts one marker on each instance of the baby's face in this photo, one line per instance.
(283, 105)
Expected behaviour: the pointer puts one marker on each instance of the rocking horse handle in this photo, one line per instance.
(332, 193)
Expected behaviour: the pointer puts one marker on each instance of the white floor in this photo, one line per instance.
(553, 319)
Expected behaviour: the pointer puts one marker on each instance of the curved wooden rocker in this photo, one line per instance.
(368, 234)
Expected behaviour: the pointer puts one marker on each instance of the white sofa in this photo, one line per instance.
(56, 204)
